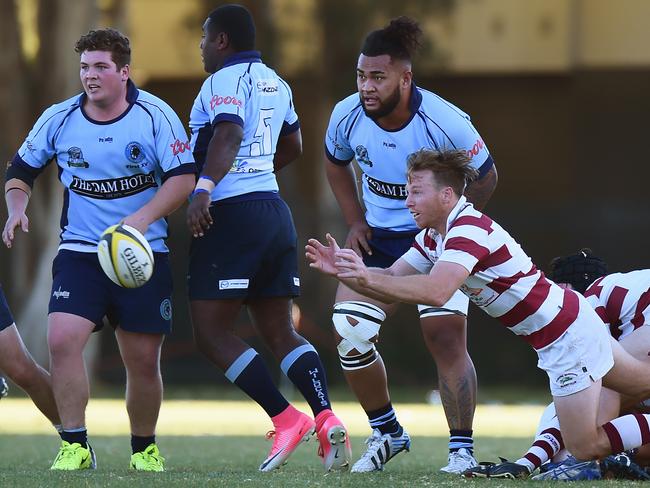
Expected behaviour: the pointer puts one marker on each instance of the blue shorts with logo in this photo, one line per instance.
(388, 246)
(80, 287)
(248, 252)
(5, 314)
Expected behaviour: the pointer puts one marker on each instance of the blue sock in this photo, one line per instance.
(305, 370)
(461, 439)
(250, 374)
(79, 436)
(385, 420)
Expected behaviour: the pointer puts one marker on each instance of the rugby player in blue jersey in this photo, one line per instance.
(244, 129)
(122, 155)
(380, 126)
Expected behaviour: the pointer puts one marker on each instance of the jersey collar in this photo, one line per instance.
(243, 57)
(132, 94)
(415, 101)
(461, 205)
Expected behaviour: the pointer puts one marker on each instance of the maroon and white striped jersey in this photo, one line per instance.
(622, 300)
(503, 280)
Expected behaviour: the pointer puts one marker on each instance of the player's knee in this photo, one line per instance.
(445, 338)
(357, 324)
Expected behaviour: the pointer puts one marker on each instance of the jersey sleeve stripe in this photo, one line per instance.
(183, 169)
(22, 171)
(223, 117)
(485, 167)
(556, 327)
(468, 246)
(338, 162)
(420, 250)
(289, 128)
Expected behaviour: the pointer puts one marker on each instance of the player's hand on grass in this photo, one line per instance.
(322, 257)
(14, 221)
(358, 238)
(198, 214)
(349, 265)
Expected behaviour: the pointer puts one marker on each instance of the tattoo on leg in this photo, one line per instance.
(458, 397)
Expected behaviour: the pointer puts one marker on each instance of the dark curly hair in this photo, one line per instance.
(110, 40)
(400, 39)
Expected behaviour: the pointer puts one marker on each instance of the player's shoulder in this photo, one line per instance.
(436, 106)
(345, 108)
(58, 111)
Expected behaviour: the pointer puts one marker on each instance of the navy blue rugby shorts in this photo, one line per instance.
(248, 252)
(5, 314)
(80, 287)
(387, 247)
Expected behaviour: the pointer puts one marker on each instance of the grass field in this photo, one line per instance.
(221, 443)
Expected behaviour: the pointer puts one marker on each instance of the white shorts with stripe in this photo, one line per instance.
(456, 305)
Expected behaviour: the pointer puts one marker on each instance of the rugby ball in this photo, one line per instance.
(125, 256)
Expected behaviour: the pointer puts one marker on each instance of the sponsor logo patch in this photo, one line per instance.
(61, 293)
(134, 152)
(393, 191)
(267, 87)
(240, 284)
(113, 188)
(567, 379)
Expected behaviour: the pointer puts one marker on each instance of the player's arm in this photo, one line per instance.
(17, 194)
(479, 191)
(435, 288)
(343, 183)
(222, 151)
(289, 148)
(171, 195)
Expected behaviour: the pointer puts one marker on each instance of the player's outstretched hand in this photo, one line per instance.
(349, 265)
(14, 221)
(198, 214)
(322, 257)
(358, 238)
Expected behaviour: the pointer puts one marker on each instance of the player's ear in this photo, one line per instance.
(126, 72)
(407, 78)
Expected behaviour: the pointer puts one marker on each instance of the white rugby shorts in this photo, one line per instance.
(580, 356)
(456, 305)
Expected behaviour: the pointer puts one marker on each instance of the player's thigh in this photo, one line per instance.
(14, 356)
(79, 288)
(139, 351)
(147, 309)
(577, 414)
(445, 326)
(637, 344)
(629, 376)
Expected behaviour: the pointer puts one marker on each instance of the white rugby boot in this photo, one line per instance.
(459, 461)
(381, 448)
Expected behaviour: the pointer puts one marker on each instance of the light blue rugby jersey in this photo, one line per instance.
(109, 169)
(249, 93)
(381, 154)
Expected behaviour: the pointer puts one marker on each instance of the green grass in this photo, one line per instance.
(196, 456)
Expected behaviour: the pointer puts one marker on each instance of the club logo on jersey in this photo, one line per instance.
(113, 188)
(217, 100)
(30, 145)
(166, 309)
(76, 158)
(567, 379)
(393, 191)
(134, 152)
(267, 87)
(179, 147)
(362, 156)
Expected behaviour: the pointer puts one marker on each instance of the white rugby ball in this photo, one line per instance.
(125, 256)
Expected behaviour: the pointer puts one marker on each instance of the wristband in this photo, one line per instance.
(210, 178)
(205, 183)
